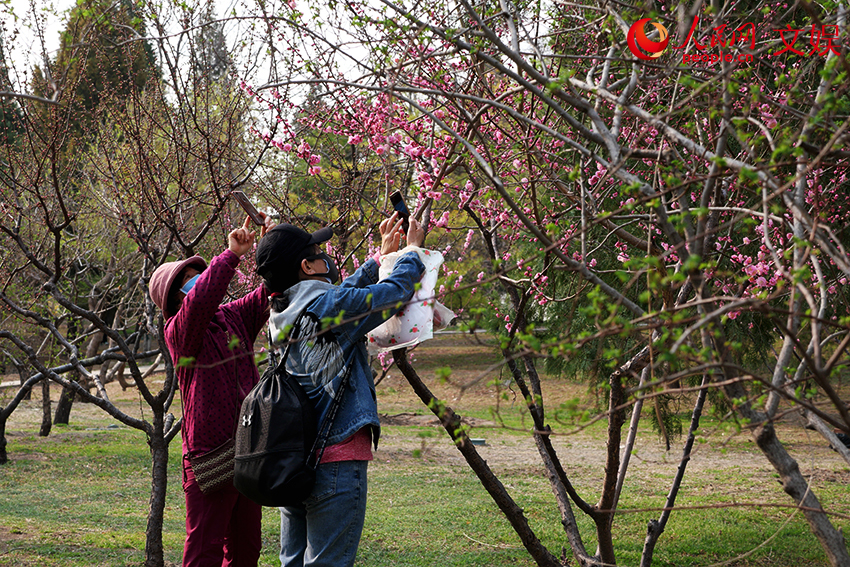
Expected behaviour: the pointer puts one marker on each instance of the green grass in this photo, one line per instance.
(80, 497)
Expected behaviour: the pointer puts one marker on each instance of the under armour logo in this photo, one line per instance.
(246, 420)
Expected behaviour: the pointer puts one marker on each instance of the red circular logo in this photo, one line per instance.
(636, 37)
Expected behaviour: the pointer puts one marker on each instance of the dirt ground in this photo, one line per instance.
(474, 384)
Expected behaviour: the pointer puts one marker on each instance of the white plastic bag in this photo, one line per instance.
(423, 314)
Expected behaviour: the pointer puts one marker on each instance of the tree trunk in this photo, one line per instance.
(605, 520)
(46, 423)
(154, 554)
(66, 400)
(63, 407)
(4, 458)
(795, 485)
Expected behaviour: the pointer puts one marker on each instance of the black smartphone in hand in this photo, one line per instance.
(243, 200)
(398, 204)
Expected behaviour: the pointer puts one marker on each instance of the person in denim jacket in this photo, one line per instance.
(328, 324)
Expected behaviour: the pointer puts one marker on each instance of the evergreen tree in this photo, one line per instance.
(210, 60)
(10, 113)
(102, 54)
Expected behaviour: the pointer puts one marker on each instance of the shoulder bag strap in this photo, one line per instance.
(325, 429)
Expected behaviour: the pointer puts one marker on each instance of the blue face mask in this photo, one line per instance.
(187, 287)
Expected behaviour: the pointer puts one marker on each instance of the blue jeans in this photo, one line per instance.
(325, 530)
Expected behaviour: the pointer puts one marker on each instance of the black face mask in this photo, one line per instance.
(332, 274)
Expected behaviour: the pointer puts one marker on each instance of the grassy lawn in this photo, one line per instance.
(80, 496)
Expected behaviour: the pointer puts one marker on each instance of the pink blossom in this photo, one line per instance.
(470, 233)
(413, 150)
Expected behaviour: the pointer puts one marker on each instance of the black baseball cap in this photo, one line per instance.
(281, 250)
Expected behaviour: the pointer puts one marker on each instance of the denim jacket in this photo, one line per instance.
(331, 337)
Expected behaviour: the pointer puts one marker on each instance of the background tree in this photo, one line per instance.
(211, 61)
(130, 169)
(10, 114)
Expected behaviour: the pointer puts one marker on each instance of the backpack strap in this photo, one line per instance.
(273, 361)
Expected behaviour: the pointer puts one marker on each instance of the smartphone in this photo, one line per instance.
(243, 200)
(398, 204)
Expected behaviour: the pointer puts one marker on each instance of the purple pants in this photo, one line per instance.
(222, 529)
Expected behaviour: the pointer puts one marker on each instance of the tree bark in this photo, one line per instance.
(46, 422)
(154, 552)
(605, 518)
(63, 406)
(4, 457)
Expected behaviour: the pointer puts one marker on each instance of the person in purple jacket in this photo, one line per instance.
(222, 527)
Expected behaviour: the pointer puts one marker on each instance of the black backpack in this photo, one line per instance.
(277, 444)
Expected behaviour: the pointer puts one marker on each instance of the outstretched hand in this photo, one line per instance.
(390, 234)
(268, 224)
(241, 240)
(416, 233)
